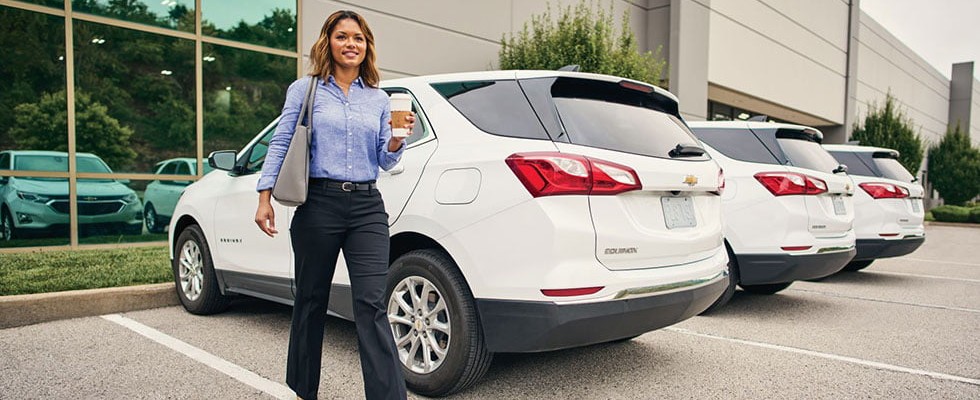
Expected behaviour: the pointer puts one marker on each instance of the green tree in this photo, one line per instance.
(889, 127)
(954, 167)
(585, 37)
(43, 126)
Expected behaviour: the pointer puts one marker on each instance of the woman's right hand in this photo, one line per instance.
(265, 217)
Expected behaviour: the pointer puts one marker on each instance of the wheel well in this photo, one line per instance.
(182, 223)
(731, 255)
(407, 241)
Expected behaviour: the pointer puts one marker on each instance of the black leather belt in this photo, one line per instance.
(345, 186)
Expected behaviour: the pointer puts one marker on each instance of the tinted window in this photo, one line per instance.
(256, 155)
(855, 165)
(892, 169)
(609, 116)
(183, 168)
(4, 161)
(736, 144)
(59, 164)
(807, 154)
(497, 107)
(169, 169)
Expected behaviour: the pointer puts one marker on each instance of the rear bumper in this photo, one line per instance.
(530, 326)
(870, 249)
(759, 269)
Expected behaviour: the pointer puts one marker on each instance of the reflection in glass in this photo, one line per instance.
(160, 196)
(49, 3)
(243, 91)
(31, 213)
(112, 211)
(175, 14)
(264, 22)
(33, 105)
(134, 96)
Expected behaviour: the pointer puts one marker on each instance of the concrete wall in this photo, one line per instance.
(443, 36)
(793, 53)
(964, 104)
(885, 63)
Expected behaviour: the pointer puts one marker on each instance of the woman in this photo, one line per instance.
(344, 210)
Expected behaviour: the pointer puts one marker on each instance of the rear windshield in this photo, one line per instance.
(807, 154)
(892, 169)
(855, 165)
(612, 117)
(738, 144)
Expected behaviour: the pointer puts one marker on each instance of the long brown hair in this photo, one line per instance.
(322, 61)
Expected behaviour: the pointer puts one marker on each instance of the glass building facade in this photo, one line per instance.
(109, 108)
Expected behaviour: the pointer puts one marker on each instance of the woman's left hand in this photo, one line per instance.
(408, 123)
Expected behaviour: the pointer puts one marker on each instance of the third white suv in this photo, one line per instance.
(531, 211)
(788, 205)
(889, 217)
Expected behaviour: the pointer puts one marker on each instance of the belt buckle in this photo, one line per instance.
(347, 186)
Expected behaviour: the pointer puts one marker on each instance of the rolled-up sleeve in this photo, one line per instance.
(284, 133)
(387, 159)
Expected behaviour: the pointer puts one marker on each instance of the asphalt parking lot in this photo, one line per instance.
(903, 328)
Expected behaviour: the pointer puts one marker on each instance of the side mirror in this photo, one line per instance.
(222, 159)
(840, 168)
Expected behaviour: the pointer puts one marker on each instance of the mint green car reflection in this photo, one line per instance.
(161, 197)
(35, 206)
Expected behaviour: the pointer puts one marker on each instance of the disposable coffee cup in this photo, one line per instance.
(401, 106)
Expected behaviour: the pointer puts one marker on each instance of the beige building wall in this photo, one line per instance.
(886, 64)
(786, 52)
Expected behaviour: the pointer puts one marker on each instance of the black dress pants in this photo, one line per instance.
(356, 221)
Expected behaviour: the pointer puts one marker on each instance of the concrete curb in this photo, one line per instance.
(30, 309)
(956, 224)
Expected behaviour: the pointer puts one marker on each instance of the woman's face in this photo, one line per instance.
(347, 44)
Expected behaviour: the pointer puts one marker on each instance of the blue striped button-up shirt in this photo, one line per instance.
(350, 133)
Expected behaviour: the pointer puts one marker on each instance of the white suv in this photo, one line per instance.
(788, 206)
(889, 216)
(532, 211)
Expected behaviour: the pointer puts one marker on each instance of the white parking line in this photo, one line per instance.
(904, 303)
(926, 276)
(852, 360)
(940, 261)
(243, 375)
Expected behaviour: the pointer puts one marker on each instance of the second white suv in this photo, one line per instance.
(889, 217)
(531, 211)
(788, 205)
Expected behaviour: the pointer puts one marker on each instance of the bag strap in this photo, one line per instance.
(306, 109)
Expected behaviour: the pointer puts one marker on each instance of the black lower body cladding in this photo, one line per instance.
(870, 249)
(759, 269)
(529, 326)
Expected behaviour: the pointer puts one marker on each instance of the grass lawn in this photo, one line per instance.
(54, 271)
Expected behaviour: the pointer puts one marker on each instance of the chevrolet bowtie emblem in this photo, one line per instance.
(691, 180)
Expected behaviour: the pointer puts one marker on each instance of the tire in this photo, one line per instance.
(194, 277)
(465, 358)
(771, 288)
(857, 265)
(7, 229)
(733, 278)
(151, 219)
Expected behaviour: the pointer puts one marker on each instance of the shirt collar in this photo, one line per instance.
(358, 81)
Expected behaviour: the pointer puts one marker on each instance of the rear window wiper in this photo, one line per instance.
(686, 150)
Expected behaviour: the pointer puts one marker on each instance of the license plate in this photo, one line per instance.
(915, 205)
(678, 212)
(839, 208)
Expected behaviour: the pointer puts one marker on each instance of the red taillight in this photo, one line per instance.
(571, 292)
(795, 248)
(790, 183)
(881, 190)
(550, 174)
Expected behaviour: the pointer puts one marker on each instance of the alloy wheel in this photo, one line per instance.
(419, 317)
(191, 270)
(6, 227)
(150, 217)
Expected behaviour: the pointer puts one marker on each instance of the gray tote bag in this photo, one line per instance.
(292, 183)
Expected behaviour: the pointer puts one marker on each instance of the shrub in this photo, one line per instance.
(954, 167)
(950, 213)
(890, 128)
(975, 215)
(583, 37)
